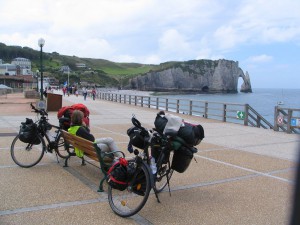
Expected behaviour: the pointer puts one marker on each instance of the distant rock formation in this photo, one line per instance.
(246, 86)
(211, 76)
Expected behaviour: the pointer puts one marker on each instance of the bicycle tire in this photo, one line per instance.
(130, 201)
(62, 149)
(25, 154)
(164, 173)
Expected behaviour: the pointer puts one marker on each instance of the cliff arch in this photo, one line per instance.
(246, 86)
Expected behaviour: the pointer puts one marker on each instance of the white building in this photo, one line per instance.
(80, 65)
(8, 69)
(23, 66)
(65, 69)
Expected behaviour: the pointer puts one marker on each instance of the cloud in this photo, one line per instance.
(260, 58)
(227, 37)
(149, 30)
(173, 41)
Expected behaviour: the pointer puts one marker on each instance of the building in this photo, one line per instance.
(65, 69)
(48, 82)
(8, 69)
(23, 66)
(80, 65)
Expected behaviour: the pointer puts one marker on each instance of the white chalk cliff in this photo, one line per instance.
(212, 76)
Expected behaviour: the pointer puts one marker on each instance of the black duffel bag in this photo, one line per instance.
(190, 133)
(28, 132)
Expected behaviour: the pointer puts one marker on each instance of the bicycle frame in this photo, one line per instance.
(145, 156)
(141, 179)
(43, 126)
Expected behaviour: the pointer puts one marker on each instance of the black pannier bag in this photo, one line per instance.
(119, 174)
(182, 158)
(28, 132)
(190, 133)
(137, 137)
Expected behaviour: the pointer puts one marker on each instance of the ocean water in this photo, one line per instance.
(263, 100)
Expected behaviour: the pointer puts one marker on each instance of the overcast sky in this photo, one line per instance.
(264, 36)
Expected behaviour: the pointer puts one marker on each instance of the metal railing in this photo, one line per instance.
(287, 120)
(227, 112)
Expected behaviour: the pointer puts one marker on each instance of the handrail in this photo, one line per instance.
(224, 111)
(287, 120)
(259, 119)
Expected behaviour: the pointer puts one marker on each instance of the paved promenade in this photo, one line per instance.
(241, 176)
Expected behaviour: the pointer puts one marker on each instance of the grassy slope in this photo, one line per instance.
(106, 70)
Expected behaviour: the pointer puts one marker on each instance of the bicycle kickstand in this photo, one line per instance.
(156, 195)
(56, 157)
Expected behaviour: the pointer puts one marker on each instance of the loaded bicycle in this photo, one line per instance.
(34, 139)
(130, 181)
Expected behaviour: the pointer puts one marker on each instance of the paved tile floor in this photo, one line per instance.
(242, 175)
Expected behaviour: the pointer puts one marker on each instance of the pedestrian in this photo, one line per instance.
(64, 90)
(84, 92)
(93, 93)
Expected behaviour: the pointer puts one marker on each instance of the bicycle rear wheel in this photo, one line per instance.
(27, 154)
(164, 173)
(63, 149)
(130, 201)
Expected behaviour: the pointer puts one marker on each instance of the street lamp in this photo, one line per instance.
(41, 43)
(37, 80)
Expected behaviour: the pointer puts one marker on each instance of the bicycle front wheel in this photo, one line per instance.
(130, 201)
(164, 173)
(27, 154)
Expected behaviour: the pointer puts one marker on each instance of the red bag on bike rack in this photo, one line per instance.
(117, 175)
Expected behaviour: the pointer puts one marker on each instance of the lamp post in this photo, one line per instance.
(37, 80)
(41, 43)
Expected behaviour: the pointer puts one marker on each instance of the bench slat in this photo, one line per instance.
(91, 150)
(82, 144)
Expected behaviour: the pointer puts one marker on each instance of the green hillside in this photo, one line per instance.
(98, 71)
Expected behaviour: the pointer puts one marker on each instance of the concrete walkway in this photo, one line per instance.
(243, 175)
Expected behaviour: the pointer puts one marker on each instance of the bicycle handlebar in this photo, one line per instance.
(138, 124)
(42, 112)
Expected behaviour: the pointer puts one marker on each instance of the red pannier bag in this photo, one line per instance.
(64, 115)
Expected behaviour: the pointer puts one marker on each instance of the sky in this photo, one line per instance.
(263, 36)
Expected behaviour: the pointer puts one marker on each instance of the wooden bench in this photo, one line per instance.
(90, 150)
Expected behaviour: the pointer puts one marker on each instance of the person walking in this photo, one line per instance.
(84, 92)
(93, 93)
(64, 89)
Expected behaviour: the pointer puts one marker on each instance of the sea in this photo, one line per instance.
(263, 100)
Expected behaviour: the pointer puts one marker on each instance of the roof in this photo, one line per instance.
(2, 86)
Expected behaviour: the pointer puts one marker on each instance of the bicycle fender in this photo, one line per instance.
(150, 174)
